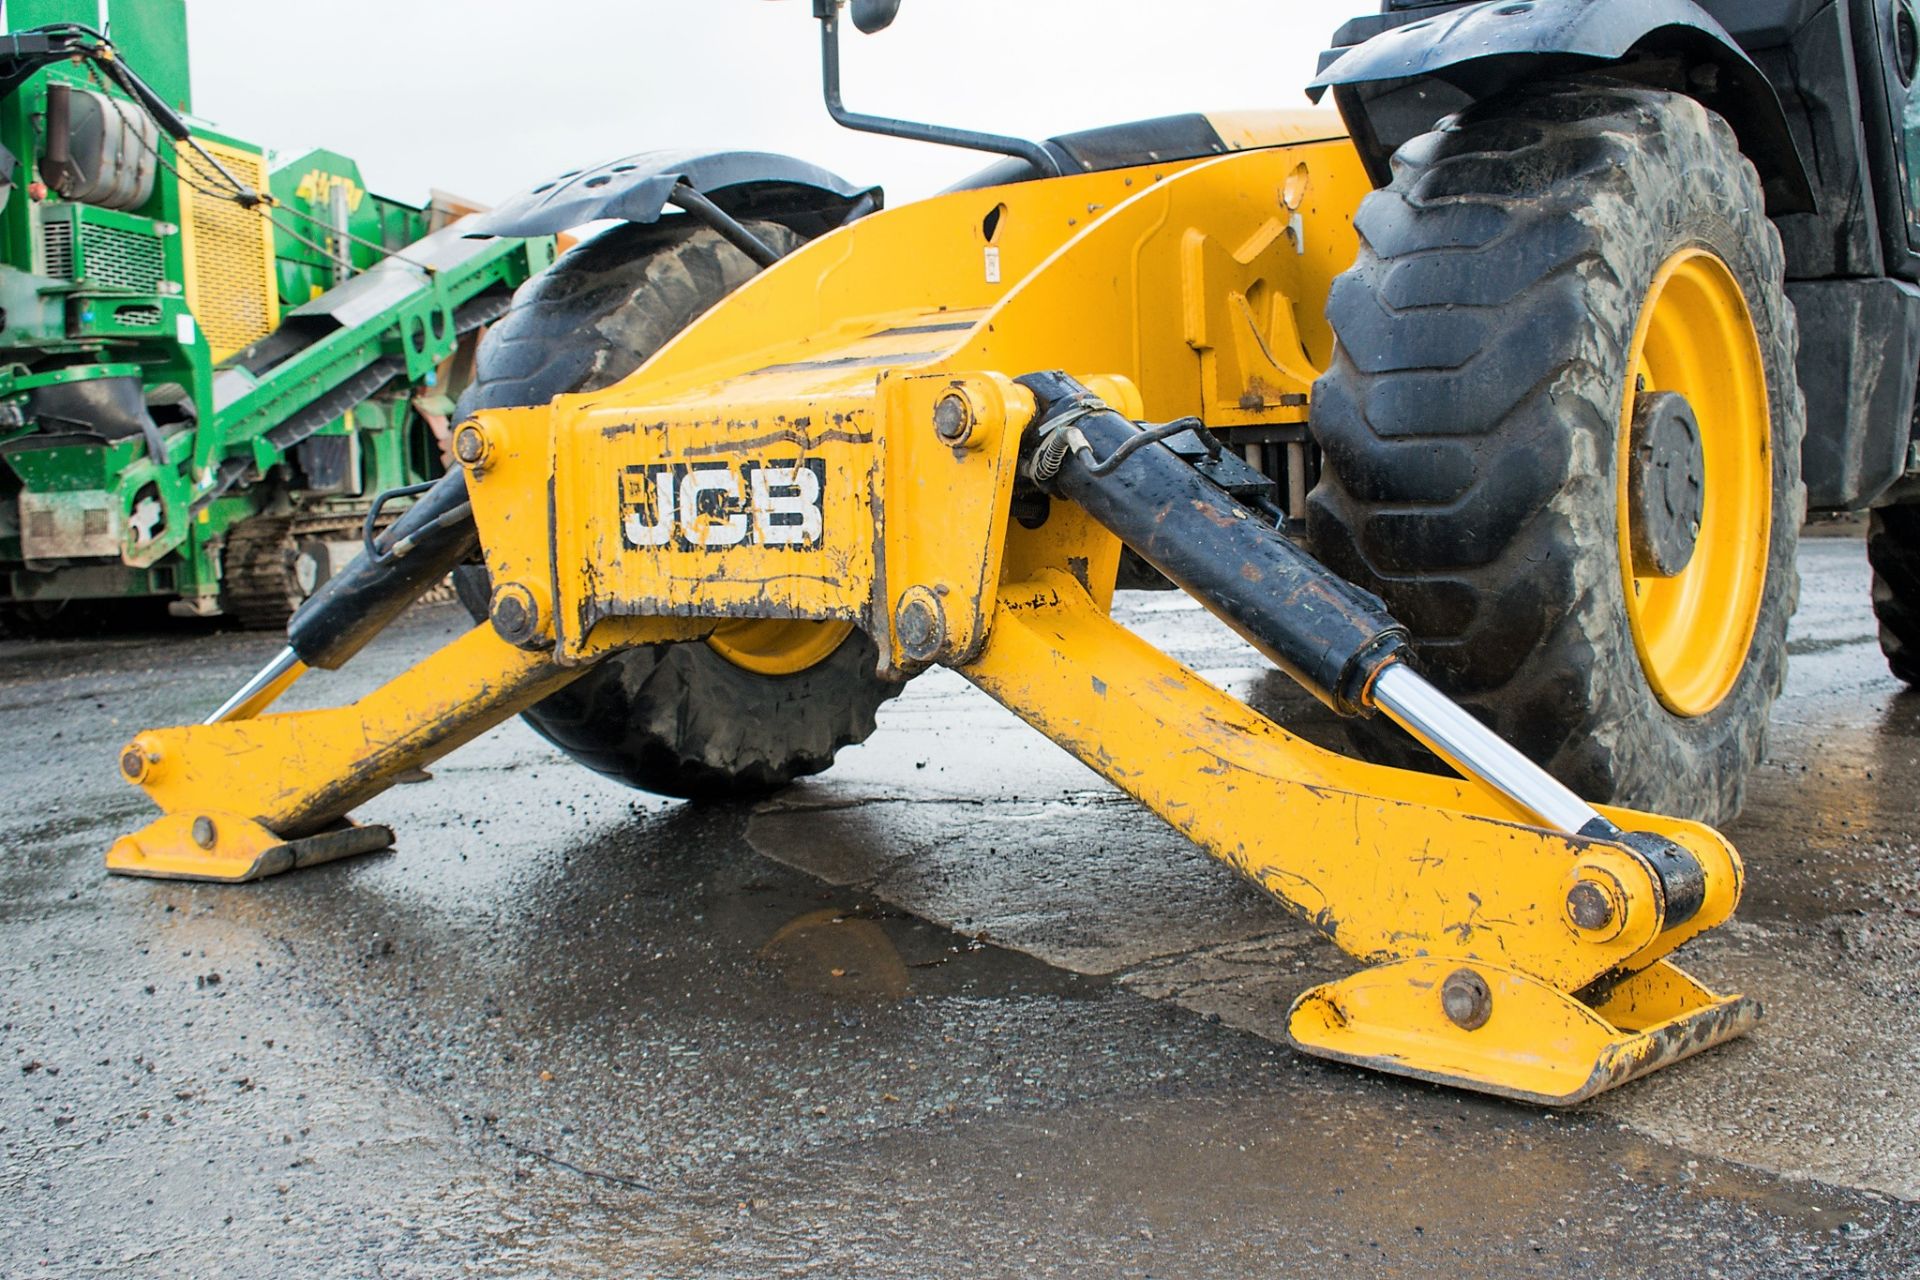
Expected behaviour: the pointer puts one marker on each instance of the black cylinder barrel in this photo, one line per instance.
(1326, 633)
(417, 550)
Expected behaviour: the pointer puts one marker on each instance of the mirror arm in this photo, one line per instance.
(827, 11)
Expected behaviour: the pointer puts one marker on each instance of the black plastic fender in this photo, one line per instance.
(1397, 84)
(639, 187)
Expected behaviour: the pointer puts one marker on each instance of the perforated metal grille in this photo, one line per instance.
(230, 272)
(122, 259)
(57, 238)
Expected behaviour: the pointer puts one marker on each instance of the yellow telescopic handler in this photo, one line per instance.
(735, 470)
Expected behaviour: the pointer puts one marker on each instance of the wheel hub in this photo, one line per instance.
(777, 646)
(1666, 483)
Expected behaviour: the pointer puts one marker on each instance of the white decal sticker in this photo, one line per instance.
(648, 506)
(714, 524)
(993, 264)
(713, 506)
(786, 505)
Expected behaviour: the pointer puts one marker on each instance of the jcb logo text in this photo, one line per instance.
(709, 506)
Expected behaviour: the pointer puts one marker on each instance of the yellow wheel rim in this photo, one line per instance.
(1695, 337)
(777, 646)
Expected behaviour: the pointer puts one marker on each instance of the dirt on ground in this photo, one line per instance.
(953, 1008)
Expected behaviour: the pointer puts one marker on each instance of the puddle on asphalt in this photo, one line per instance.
(866, 951)
(1810, 1206)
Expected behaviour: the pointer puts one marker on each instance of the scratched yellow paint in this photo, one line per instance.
(803, 364)
(1539, 1044)
(779, 460)
(1413, 874)
(1377, 857)
(296, 771)
(717, 565)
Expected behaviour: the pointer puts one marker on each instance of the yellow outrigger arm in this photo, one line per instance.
(845, 442)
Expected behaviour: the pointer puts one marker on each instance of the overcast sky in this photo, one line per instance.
(486, 97)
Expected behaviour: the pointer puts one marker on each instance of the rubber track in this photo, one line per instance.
(256, 567)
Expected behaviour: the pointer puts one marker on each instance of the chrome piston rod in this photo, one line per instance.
(1337, 640)
(1452, 733)
(261, 688)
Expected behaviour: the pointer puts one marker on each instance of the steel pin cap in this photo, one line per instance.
(137, 760)
(470, 444)
(1596, 905)
(953, 418)
(515, 615)
(1466, 1000)
(1589, 907)
(919, 625)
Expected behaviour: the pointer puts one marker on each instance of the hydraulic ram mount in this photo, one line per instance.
(886, 446)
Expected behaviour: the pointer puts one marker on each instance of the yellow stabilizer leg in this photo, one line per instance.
(221, 846)
(1430, 879)
(252, 797)
(853, 443)
(1502, 1032)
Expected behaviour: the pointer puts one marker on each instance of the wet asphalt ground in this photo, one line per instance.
(954, 1008)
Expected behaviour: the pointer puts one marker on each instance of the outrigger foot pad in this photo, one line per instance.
(228, 848)
(1494, 1030)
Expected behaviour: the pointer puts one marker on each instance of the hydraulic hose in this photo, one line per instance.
(1326, 633)
(424, 545)
(1335, 639)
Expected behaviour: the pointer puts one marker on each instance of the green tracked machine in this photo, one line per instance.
(211, 365)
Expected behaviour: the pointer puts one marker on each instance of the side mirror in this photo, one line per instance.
(874, 15)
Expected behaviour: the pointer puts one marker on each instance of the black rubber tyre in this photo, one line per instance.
(676, 719)
(1893, 548)
(1471, 417)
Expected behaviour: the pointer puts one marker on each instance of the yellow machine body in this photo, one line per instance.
(838, 441)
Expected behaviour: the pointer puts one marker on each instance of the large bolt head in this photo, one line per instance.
(953, 417)
(470, 444)
(514, 613)
(919, 625)
(139, 760)
(1597, 906)
(1589, 907)
(1465, 999)
(205, 834)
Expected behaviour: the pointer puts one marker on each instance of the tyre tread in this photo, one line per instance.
(1466, 438)
(1893, 550)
